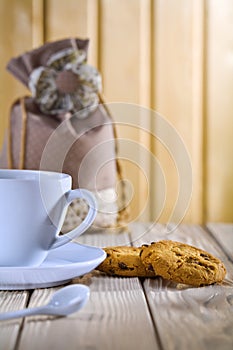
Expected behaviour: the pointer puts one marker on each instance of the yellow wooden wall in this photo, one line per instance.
(174, 56)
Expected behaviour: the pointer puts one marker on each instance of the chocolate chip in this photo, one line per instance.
(211, 268)
(178, 254)
(150, 268)
(123, 266)
(206, 257)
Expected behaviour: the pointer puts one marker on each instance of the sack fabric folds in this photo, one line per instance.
(64, 126)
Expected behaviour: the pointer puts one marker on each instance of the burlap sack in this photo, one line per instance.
(77, 137)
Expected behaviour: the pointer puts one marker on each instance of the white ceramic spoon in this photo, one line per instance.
(63, 302)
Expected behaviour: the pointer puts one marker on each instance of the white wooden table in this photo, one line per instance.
(132, 313)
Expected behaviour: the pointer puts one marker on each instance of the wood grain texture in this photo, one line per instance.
(37, 23)
(72, 13)
(111, 319)
(190, 318)
(223, 233)
(74, 18)
(219, 185)
(128, 313)
(9, 330)
(198, 91)
(174, 57)
(125, 63)
(16, 23)
(104, 238)
(103, 323)
(172, 95)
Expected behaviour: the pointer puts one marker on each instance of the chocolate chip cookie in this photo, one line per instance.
(182, 263)
(124, 261)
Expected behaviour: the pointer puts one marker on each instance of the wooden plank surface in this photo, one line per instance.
(223, 233)
(112, 318)
(9, 330)
(190, 318)
(130, 313)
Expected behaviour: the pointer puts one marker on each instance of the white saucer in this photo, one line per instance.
(61, 265)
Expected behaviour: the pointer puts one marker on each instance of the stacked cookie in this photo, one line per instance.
(175, 261)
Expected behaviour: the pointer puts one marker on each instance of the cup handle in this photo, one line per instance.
(70, 196)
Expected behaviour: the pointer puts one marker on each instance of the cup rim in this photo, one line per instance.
(18, 174)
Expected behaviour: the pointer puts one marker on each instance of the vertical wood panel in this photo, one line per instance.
(73, 18)
(64, 19)
(37, 22)
(174, 56)
(198, 206)
(145, 101)
(16, 37)
(125, 65)
(93, 31)
(172, 91)
(220, 111)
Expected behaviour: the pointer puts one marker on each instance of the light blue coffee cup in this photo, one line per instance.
(33, 206)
